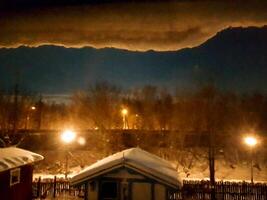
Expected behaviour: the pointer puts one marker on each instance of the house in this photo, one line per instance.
(132, 174)
(16, 168)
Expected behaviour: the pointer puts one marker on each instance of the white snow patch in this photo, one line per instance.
(137, 158)
(223, 172)
(45, 175)
(12, 157)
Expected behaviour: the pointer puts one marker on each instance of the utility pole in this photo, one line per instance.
(212, 132)
(15, 105)
(39, 112)
(212, 167)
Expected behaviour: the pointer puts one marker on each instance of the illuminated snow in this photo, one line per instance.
(12, 157)
(133, 158)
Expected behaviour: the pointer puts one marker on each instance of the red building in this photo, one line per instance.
(16, 169)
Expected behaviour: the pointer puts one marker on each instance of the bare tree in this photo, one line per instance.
(164, 110)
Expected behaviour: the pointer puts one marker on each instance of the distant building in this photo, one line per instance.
(132, 174)
(16, 168)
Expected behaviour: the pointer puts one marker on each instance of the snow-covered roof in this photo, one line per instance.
(12, 157)
(135, 158)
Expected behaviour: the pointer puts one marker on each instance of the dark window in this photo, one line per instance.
(92, 186)
(109, 190)
(14, 176)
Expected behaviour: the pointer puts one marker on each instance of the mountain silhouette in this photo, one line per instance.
(234, 59)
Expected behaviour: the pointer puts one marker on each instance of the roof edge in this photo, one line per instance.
(170, 182)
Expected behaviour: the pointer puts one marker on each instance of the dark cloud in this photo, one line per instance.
(134, 25)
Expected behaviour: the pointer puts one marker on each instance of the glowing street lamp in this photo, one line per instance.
(81, 140)
(251, 142)
(124, 113)
(29, 110)
(67, 137)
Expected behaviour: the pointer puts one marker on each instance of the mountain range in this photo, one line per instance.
(234, 59)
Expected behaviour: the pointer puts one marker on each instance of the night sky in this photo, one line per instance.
(167, 26)
(133, 25)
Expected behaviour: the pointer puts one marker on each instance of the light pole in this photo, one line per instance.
(251, 142)
(124, 113)
(136, 121)
(67, 136)
(31, 109)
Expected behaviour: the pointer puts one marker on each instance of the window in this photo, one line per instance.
(109, 190)
(92, 186)
(14, 176)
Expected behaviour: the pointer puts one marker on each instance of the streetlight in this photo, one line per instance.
(124, 113)
(136, 121)
(67, 137)
(251, 142)
(31, 109)
(81, 141)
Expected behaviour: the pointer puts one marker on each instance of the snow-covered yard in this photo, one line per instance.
(63, 196)
(197, 169)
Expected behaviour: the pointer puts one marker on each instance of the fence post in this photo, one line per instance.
(182, 192)
(55, 187)
(86, 191)
(38, 187)
(223, 192)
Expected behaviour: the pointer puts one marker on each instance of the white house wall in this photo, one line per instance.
(141, 187)
(160, 192)
(93, 192)
(124, 175)
(141, 191)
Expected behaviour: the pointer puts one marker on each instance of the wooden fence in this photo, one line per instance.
(192, 190)
(52, 188)
(201, 190)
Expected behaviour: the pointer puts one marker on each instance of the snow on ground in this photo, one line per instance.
(46, 175)
(226, 173)
(53, 164)
(63, 196)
